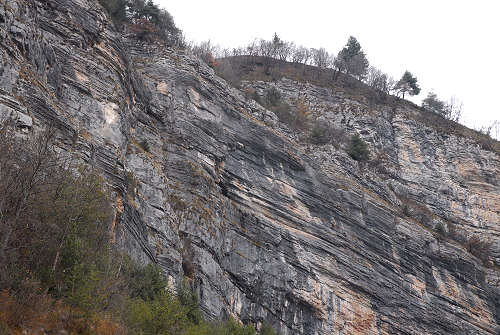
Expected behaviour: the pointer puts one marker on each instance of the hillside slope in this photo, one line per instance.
(210, 185)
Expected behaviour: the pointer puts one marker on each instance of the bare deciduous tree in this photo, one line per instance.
(284, 51)
(27, 165)
(207, 51)
(320, 58)
(45, 199)
(376, 79)
(453, 109)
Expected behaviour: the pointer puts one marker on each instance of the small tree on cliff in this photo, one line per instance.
(358, 149)
(451, 110)
(433, 104)
(352, 60)
(146, 20)
(407, 84)
(117, 9)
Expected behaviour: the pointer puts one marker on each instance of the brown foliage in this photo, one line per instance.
(301, 118)
(145, 30)
(28, 166)
(34, 311)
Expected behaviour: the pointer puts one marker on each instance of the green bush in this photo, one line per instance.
(117, 9)
(145, 19)
(273, 97)
(144, 282)
(322, 133)
(284, 113)
(267, 329)
(168, 313)
(163, 315)
(358, 149)
(189, 299)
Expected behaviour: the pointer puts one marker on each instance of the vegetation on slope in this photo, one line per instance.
(59, 271)
(348, 72)
(145, 19)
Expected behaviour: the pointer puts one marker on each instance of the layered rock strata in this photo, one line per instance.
(213, 187)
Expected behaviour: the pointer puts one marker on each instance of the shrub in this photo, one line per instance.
(189, 299)
(53, 216)
(302, 114)
(234, 328)
(162, 315)
(479, 248)
(272, 97)
(284, 113)
(144, 282)
(322, 133)
(117, 10)
(358, 149)
(419, 212)
(205, 51)
(406, 210)
(381, 163)
(145, 19)
(296, 119)
(267, 329)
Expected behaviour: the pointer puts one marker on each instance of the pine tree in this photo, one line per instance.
(433, 104)
(352, 60)
(358, 149)
(408, 84)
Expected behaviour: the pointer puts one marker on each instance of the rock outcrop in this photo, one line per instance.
(211, 186)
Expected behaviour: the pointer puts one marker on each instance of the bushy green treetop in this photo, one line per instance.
(408, 84)
(352, 60)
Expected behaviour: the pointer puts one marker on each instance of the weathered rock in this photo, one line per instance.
(280, 230)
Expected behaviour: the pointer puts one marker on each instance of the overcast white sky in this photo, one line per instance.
(452, 47)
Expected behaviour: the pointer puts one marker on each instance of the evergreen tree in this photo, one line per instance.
(408, 84)
(352, 60)
(146, 19)
(117, 9)
(433, 104)
(358, 149)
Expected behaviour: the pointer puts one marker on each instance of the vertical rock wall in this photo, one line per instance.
(212, 187)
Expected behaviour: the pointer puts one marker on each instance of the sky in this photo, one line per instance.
(452, 47)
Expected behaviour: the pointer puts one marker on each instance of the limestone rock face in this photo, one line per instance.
(210, 185)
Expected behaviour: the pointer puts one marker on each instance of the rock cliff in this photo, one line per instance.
(267, 227)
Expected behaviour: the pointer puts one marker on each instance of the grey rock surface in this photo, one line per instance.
(279, 230)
